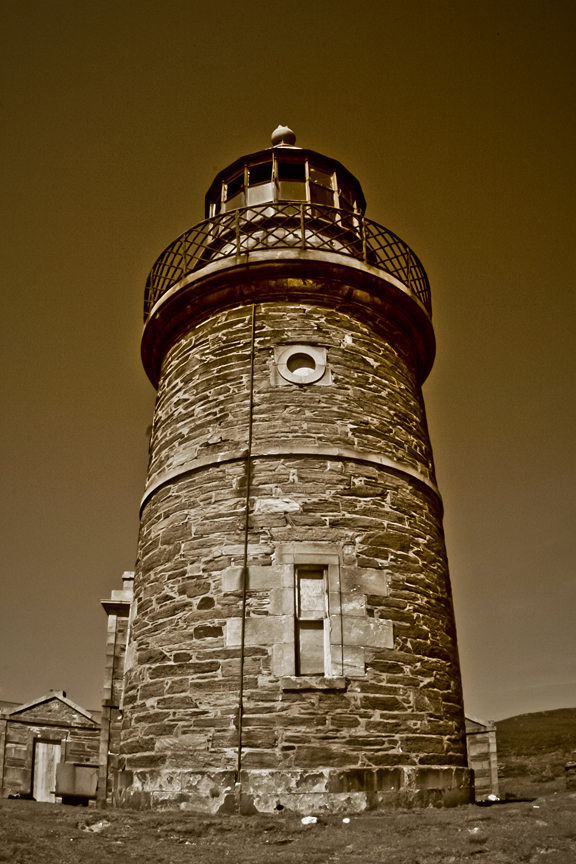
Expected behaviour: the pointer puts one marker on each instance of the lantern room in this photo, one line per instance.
(284, 173)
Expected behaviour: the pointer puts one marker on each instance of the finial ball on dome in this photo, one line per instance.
(283, 135)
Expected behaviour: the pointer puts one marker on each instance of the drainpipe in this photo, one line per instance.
(248, 478)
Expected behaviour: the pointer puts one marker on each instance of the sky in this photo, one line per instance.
(458, 120)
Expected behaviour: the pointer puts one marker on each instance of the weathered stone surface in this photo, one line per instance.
(392, 635)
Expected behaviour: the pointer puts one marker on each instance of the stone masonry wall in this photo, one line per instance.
(389, 716)
(373, 403)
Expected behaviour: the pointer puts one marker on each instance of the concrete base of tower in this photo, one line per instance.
(325, 790)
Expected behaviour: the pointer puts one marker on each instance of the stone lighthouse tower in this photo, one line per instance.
(292, 639)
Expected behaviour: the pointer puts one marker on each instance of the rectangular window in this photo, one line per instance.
(260, 194)
(234, 186)
(320, 195)
(323, 178)
(289, 191)
(260, 173)
(235, 202)
(311, 619)
(291, 171)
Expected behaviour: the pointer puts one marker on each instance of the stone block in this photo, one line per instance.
(382, 703)
(276, 505)
(259, 759)
(380, 759)
(171, 702)
(182, 743)
(369, 633)
(194, 588)
(262, 630)
(168, 670)
(283, 659)
(15, 753)
(354, 661)
(343, 721)
(336, 630)
(231, 579)
(263, 577)
(17, 734)
(438, 778)
(365, 580)
(152, 655)
(260, 737)
(16, 776)
(206, 602)
(322, 757)
(177, 685)
(145, 760)
(365, 780)
(203, 667)
(208, 631)
(281, 601)
(422, 744)
(353, 604)
(307, 552)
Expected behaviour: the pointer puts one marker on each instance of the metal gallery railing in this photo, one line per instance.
(237, 234)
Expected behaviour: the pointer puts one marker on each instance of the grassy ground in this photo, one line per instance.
(543, 830)
(532, 752)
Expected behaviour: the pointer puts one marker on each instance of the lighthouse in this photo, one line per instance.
(291, 637)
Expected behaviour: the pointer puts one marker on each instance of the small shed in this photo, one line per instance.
(481, 747)
(38, 737)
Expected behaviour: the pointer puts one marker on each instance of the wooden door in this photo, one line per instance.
(46, 757)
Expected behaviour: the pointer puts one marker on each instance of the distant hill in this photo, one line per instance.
(536, 747)
(543, 731)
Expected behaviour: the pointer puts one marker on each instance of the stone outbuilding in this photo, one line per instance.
(49, 749)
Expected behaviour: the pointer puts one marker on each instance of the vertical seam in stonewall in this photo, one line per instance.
(341, 617)
(245, 561)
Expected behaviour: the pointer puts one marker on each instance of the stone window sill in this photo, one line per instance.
(313, 682)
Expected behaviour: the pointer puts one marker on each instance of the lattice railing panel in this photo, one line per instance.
(285, 226)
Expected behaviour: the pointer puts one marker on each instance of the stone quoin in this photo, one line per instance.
(291, 639)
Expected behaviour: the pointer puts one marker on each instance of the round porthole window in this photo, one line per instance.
(301, 364)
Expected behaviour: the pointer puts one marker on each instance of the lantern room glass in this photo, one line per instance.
(283, 178)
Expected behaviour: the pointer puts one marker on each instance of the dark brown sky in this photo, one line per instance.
(458, 119)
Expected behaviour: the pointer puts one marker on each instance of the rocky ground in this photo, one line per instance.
(541, 830)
